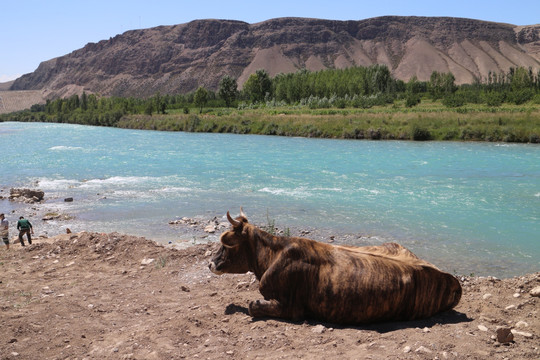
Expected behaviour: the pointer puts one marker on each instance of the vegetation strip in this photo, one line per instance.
(353, 103)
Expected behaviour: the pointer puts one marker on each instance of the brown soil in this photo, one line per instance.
(101, 296)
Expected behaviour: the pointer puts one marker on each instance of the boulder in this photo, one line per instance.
(26, 195)
(504, 335)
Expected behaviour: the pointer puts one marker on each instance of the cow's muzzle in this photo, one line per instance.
(213, 268)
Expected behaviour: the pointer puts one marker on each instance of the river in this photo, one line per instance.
(466, 207)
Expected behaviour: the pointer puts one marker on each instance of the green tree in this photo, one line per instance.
(84, 101)
(160, 103)
(414, 86)
(258, 86)
(200, 98)
(228, 90)
(441, 84)
(149, 107)
(521, 79)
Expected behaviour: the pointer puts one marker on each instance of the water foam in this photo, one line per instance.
(298, 193)
(65, 148)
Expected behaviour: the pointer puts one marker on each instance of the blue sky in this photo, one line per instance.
(33, 31)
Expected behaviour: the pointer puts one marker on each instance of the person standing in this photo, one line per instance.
(24, 227)
(4, 230)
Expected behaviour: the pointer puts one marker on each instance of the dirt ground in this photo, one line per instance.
(112, 296)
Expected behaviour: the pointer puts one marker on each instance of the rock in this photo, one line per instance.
(504, 335)
(184, 288)
(486, 296)
(535, 292)
(147, 261)
(522, 333)
(319, 329)
(423, 350)
(210, 229)
(46, 290)
(208, 253)
(510, 307)
(516, 295)
(50, 216)
(242, 284)
(521, 324)
(69, 199)
(482, 328)
(407, 349)
(26, 195)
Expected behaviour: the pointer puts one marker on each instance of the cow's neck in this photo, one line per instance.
(265, 249)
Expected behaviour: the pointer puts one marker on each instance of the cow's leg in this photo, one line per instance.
(273, 308)
(265, 308)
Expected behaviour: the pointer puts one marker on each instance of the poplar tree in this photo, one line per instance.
(228, 90)
(200, 98)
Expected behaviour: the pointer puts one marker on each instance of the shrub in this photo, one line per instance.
(420, 133)
(453, 100)
(519, 97)
(494, 98)
(412, 100)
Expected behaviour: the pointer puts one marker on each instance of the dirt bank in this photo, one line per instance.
(112, 296)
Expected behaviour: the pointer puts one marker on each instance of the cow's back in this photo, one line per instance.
(367, 284)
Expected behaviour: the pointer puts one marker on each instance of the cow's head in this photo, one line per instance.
(233, 255)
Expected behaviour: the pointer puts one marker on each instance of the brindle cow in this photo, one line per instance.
(302, 278)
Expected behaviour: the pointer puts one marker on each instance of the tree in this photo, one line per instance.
(149, 107)
(160, 104)
(521, 79)
(228, 90)
(258, 86)
(441, 84)
(84, 101)
(200, 98)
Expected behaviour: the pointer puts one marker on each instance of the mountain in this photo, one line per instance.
(179, 58)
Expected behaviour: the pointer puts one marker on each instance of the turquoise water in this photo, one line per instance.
(467, 207)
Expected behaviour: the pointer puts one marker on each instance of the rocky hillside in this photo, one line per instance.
(11, 101)
(182, 57)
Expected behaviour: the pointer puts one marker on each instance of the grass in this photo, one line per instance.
(161, 262)
(271, 227)
(26, 299)
(427, 121)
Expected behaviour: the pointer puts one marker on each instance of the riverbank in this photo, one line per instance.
(112, 296)
(431, 122)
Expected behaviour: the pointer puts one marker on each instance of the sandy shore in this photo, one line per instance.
(112, 296)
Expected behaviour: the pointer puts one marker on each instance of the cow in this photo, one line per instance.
(301, 278)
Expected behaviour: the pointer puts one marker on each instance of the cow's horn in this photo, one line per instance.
(234, 223)
(242, 212)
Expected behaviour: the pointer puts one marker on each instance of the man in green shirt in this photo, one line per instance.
(24, 227)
